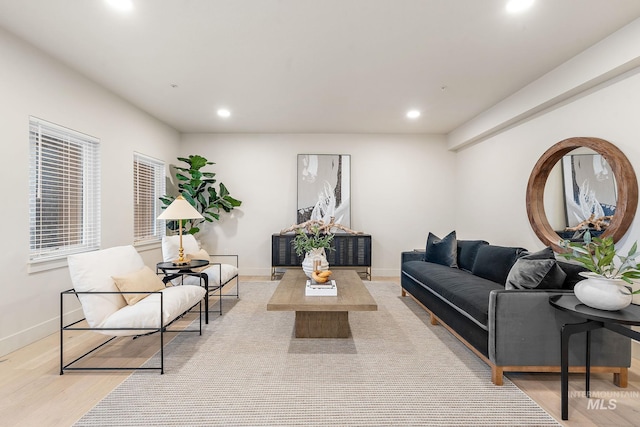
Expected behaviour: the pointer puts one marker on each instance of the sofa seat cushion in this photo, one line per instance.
(146, 313)
(465, 292)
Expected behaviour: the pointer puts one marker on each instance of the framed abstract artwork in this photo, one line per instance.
(324, 188)
(589, 187)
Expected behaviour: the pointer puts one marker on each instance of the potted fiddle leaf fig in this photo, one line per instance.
(605, 286)
(199, 188)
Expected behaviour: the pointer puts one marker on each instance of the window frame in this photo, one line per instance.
(62, 161)
(154, 229)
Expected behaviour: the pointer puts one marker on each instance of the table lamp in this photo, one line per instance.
(178, 210)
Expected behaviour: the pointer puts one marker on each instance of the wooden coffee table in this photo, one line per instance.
(322, 317)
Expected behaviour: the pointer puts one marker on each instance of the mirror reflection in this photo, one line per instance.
(580, 194)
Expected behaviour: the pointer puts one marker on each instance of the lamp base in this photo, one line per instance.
(180, 262)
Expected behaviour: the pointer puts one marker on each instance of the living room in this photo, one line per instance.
(471, 178)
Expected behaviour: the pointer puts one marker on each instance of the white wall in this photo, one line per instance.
(493, 175)
(401, 185)
(32, 83)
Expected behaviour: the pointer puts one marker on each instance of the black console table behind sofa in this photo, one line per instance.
(351, 250)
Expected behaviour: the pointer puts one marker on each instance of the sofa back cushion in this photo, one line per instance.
(494, 262)
(573, 274)
(467, 251)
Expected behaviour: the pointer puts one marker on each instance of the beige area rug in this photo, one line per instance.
(247, 369)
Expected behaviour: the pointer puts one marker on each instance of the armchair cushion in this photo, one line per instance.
(215, 273)
(93, 271)
(143, 280)
(145, 314)
(171, 246)
(218, 273)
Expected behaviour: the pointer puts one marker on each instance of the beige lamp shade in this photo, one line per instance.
(180, 209)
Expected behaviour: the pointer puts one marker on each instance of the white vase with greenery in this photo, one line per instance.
(607, 285)
(312, 244)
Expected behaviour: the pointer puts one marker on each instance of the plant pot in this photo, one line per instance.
(602, 293)
(310, 257)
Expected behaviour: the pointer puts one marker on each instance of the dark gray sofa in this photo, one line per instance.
(512, 330)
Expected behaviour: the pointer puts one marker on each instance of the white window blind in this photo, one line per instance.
(64, 191)
(148, 186)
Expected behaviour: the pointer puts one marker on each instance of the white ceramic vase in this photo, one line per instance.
(310, 257)
(602, 293)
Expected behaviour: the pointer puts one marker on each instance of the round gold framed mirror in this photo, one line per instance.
(626, 184)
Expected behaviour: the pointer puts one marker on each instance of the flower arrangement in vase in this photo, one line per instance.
(605, 286)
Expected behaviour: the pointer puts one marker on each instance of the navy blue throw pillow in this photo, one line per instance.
(538, 270)
(442, 251)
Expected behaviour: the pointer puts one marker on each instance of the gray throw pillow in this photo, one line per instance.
(442, 251)
(538, 270)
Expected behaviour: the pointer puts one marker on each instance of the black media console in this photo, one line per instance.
(351, 250)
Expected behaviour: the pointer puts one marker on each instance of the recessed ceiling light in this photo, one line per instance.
(224, 113)
(413, 114)
(121, 5)
(516, 6)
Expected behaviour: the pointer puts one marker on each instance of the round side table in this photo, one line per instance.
(616, 321)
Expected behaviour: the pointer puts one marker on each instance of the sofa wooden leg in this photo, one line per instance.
(496, 375)
(404, 293)
(621, 379)
(432, 319)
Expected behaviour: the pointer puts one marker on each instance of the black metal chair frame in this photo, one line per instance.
(143, 331)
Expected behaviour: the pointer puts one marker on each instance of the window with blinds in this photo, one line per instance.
(148, 187)
(64, 191)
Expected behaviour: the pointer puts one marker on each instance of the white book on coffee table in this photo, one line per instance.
(327, 289)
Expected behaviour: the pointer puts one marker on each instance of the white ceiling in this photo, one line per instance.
(328, 66)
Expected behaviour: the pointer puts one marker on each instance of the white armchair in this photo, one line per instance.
(216, 274)
(120, 296)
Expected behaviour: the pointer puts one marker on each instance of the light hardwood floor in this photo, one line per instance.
(32, 393)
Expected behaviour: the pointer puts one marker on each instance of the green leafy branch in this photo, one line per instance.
(599, 256)
(305, 242)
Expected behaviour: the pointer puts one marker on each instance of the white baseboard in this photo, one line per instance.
(385, 272)
(37, 332)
